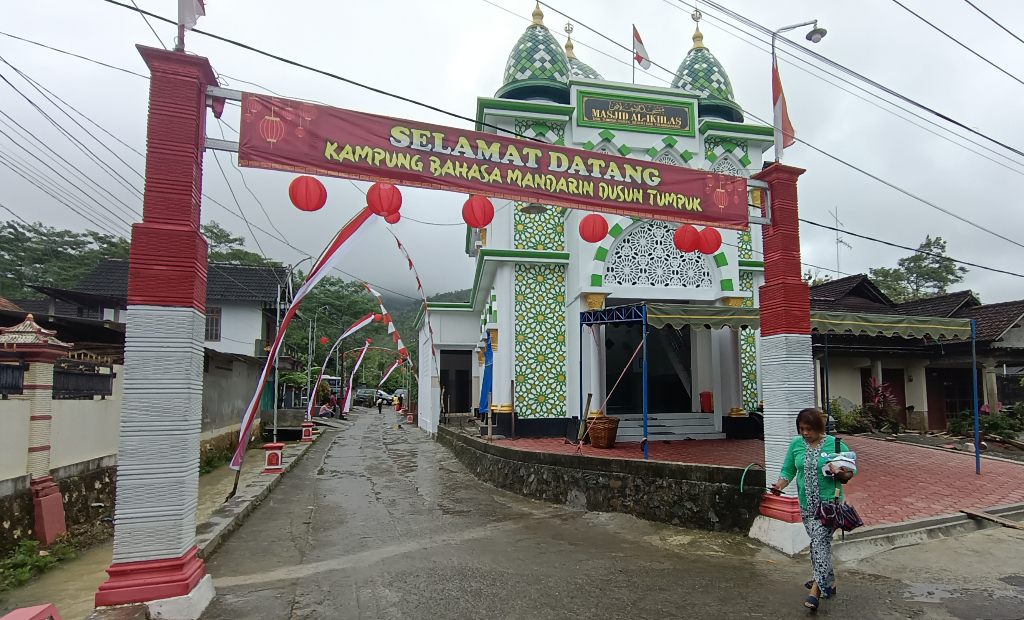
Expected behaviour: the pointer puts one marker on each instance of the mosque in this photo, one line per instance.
(517, 342)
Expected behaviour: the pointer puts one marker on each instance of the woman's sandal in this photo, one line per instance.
(825, 592)
(811, 602)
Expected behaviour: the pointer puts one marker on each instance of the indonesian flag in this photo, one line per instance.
(330, 257)
(351, 377)
(189, 12)
(639, 51)
(784, 133)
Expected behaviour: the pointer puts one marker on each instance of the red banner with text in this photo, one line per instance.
(295, 136)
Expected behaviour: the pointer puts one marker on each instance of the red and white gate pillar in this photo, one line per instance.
(787, 363)
(155, 554)
(39, 348)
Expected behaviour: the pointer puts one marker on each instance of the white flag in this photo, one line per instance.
(189, 12)
(639, 51)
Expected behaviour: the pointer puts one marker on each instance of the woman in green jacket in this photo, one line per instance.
(813, 486)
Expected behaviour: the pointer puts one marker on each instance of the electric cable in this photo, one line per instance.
(958, 41)
(991, 19)
(21, 219)
(78, 56)
(238, 169)
(241, 213)
(151, 28)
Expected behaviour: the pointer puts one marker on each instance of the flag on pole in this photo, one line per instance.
(639, 51)
(330, 257)
(398, 362)
(785, 136)
(359, 324)
(189, 12)
(348, 391)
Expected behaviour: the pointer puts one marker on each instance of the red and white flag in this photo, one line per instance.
(358, 325)
(348, 391)
(639, 51)
(784, 134)
(189, 12)
(398, 362)
(330, 257)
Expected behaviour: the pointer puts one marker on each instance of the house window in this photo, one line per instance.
(213, 324)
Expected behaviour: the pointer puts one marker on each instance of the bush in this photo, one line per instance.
(1005, 425)
(853, 421)
(27, 560)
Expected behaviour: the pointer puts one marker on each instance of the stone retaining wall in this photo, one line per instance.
(705, 497)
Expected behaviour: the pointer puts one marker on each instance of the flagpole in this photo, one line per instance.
(632, 61)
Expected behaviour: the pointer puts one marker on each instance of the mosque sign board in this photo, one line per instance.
(301, 137)
(644, 114)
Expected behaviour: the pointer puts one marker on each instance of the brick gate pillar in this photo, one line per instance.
(155, 555)
(39, 348)
(787, 365)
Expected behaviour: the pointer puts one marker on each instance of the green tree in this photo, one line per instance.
(47, 256)
(227, 248)
(926, 272)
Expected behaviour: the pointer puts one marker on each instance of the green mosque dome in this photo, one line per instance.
(537, 67)
(700, 72)
(577, 67)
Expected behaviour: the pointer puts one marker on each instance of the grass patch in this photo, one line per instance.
(29, 560)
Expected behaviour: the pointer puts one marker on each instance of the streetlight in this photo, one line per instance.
(815, 35)
(277, 324)
(310, 350)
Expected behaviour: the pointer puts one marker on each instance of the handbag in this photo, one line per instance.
(838, 515)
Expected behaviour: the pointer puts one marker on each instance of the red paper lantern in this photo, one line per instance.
(721, 198)
(478, 211)
(384, 199)
(393, 218)
(686, 238)
(378, 317)
(710, 240)
(307, 193)
(593, 228)
(323, 340)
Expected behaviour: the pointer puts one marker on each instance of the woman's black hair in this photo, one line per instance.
(813, 417)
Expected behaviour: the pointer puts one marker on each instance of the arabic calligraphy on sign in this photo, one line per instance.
(598, 111)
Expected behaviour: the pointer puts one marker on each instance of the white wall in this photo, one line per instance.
(13, 438)
(84, 430)
(845, 381)
(241, 325)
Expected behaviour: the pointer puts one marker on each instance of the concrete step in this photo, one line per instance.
(655, 434)
(663, 416)
(668, 423)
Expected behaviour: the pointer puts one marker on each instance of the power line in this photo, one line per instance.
(234, 164)
(1005, 29)
(78, 56)
(153, 30)
(824, 59)
(959, 42)
(335, 76)
(904, 247)
(765, 47)
(241, 213)
(835, 158)
(21, 219)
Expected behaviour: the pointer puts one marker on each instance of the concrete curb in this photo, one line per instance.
(229, 517)
(876, 539)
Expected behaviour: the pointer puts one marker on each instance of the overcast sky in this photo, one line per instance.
(449, 53)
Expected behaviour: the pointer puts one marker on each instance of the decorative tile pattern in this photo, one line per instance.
(540, 354)
(745, 245)
(551, 132)
(540, 231)
(646, 256)
(716, 148)
(537, 56)
(700, 72)
(748, 339)
(580, 69)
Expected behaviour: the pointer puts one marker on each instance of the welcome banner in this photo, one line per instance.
(300, 137)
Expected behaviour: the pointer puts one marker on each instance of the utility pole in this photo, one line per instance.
(277, 376)
(839, 240)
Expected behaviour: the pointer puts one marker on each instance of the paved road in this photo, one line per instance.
(381, 522)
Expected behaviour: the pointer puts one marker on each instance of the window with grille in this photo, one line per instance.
(213, 324)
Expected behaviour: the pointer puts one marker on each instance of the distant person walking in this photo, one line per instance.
(400, 400)
(380, 405)
(813, 486)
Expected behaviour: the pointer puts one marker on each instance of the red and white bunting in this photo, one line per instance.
(359, 324)
(398, 362)
(423, 295)
(348, 390)
(403, 351)
(330, 257)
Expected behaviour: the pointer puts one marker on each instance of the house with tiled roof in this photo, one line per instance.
(240, 302)
(931, 376)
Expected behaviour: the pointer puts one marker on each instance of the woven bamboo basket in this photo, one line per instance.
(603, 430)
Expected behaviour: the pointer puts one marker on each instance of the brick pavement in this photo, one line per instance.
(897, 482)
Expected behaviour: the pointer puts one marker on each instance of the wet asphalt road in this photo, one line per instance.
(380, 522)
